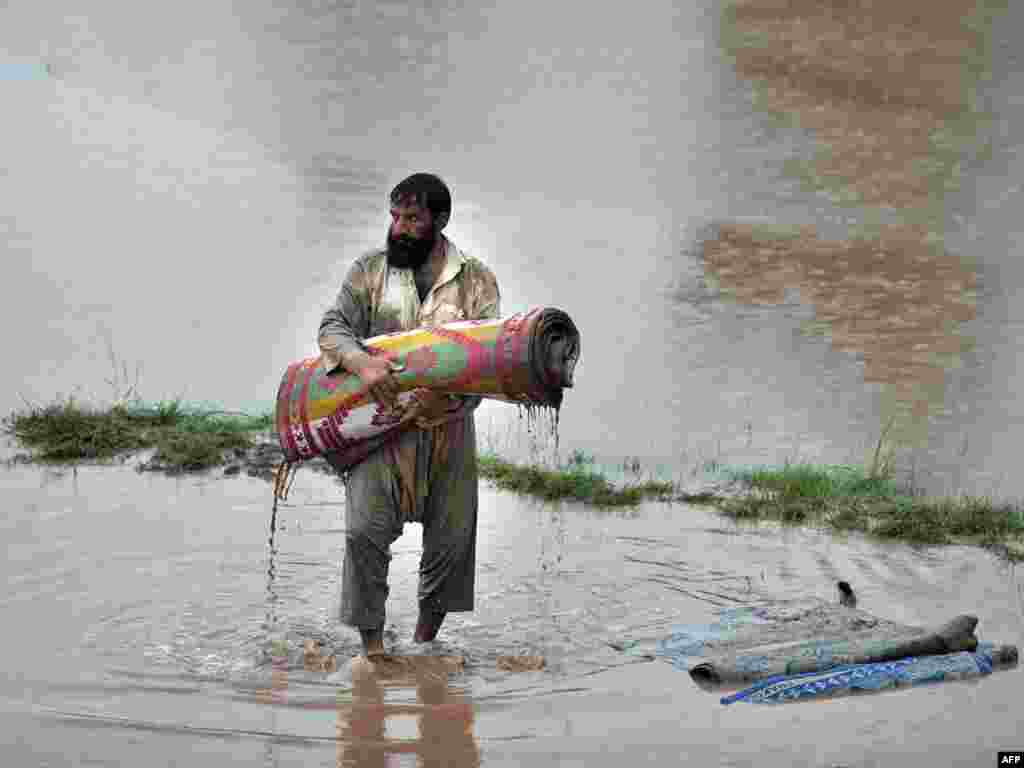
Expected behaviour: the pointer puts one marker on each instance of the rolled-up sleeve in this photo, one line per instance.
(347, 321)
(486, 304)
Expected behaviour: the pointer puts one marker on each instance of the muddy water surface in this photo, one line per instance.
(142, 613)
(182, 193)
(172, 201)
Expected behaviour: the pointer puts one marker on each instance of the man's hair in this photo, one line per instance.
(425, 189)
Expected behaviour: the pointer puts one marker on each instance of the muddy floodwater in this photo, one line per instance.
(781, 227)
(141, 613)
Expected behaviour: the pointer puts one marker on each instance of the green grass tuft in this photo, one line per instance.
(843, 497)
(575, 481)
(850, 499)
(184, 438)
(67, 431)
(807, 481)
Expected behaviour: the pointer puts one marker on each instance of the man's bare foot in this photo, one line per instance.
(410, 668)
(373, 641)
(846, 596)
(313, 659)
(372, 667)
(428, 624)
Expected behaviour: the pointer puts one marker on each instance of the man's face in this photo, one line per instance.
(411, 236)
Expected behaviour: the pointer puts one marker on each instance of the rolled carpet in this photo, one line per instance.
(763, 662)
(526, 358)
(878, 676)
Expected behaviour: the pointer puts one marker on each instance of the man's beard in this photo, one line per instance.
(409, 252)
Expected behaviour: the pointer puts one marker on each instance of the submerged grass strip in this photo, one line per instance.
(184, 439)
(844, 497)
(576, 481)
(848, 498)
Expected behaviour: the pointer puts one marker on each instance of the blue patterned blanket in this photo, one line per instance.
(869, 677)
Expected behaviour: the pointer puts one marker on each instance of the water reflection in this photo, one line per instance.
(370, 721)
(443, 716)
(378, 718)
(189, 675)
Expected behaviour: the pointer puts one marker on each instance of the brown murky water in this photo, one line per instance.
(141, 612)
(290, 123)
(887, 94)
(897, 302)
(182, 197)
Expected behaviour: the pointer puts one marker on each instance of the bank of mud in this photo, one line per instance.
(887, 91)
(886, 95)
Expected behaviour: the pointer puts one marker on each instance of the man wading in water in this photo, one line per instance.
(428, 475)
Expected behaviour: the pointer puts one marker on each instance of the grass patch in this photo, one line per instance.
(184, 438)
(841, 497)
(576, 480)
(852, 499)
(190, 439)
(805, 481)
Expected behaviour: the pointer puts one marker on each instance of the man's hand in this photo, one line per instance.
(377, 374)
(431, 408)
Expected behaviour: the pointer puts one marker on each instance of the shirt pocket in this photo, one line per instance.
(446, 312)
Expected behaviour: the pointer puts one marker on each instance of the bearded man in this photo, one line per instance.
(427, 475)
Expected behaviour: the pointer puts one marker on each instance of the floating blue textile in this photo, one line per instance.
(868, 677)
(689, 640)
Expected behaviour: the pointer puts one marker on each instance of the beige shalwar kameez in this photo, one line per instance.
(427, 475)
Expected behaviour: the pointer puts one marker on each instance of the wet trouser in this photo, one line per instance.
(429, 477)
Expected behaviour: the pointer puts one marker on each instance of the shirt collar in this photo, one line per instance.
(453, 263)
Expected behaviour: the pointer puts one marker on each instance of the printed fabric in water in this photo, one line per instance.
(877, 676)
